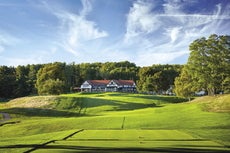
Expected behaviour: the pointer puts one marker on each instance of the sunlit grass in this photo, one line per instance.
(130, 114)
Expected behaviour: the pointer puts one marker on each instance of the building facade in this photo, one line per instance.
(108, 86)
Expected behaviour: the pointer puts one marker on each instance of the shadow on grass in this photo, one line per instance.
(77, 106)
(81, 104)
(53, 146)
(6, 123)
(134, 106)
(70, 107)
(40, 112)
(69, 148)
(116, 105)
(169, 99)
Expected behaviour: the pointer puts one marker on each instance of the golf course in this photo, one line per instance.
(115, 122)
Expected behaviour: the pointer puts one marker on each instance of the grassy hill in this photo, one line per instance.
(130, 121)
(219, 103)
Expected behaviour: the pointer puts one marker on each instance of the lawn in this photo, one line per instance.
(133, 140)
(116, 121)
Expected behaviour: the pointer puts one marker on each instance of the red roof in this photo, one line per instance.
(105, 82)
(98, 82)
(125, 82)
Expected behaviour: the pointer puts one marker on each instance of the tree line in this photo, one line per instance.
(208, 69)
(57, 78)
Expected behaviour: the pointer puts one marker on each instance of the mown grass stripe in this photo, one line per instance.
(139, 139)
(72, 134)
(51, 141)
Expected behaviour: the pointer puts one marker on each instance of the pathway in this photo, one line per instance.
(5, 116)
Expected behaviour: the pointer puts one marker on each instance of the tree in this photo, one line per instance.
(49, 76)
(22, 86)
(52, 87)
(226, 85)
(7, 82)
(209, 62)
(157, 78)
(208, 67)
(148, 85)
(157, 82)
(32, 77)
(184, 84)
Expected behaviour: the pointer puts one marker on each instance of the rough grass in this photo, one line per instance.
(30, 102)
(219, 103)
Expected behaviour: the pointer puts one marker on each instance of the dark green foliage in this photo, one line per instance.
(51, 79)
(7, 82)
(22, 88)
(157, 78)
(184, 87)
(56, 78)
(52, 87)
(208, 67)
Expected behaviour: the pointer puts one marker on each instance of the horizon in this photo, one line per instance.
(144, 32)
(70, 63)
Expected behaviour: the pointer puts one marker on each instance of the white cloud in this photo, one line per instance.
(161, 37)
(173, 33)
(87, 7)
(7, 40)
(151, 35)
(196, 19)
(156, 32)
(172, 7)
(149, 58)
(140, 20)
(76, 30)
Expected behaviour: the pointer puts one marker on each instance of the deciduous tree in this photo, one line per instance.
(208, 65)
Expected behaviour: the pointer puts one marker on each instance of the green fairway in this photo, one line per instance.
(116, 122)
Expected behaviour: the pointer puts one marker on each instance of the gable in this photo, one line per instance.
(112, 83)
(86, 84)
(108, 83)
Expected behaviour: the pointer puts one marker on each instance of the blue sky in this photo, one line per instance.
(145, 32)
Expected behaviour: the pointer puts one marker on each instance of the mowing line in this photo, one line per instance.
(51, 141)
(15, 122)
(72, 134)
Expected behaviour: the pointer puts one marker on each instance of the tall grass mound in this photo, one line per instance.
(31, 102)
(43, 106)
(218, 103)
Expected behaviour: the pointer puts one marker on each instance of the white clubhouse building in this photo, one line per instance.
(108, 86)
